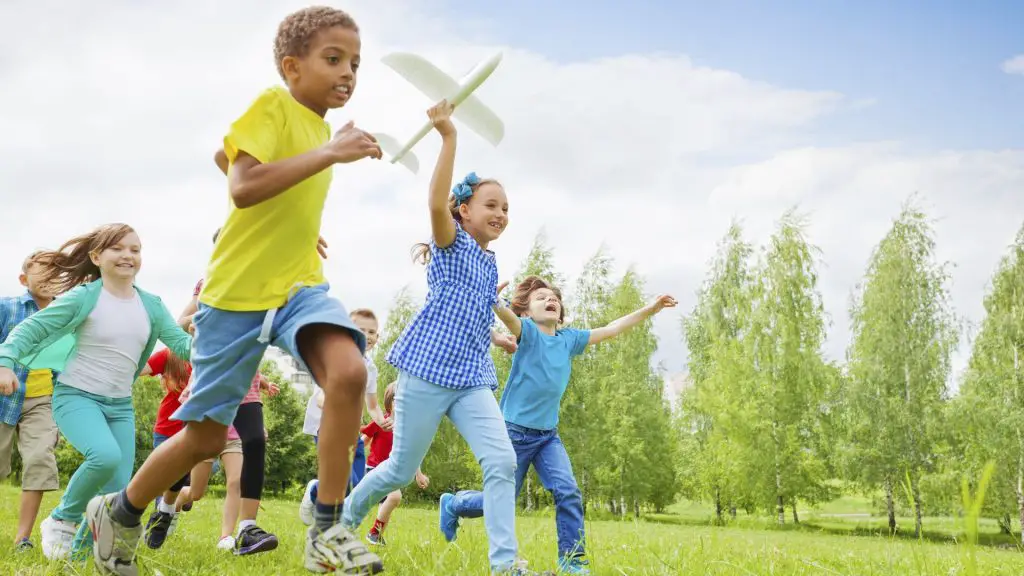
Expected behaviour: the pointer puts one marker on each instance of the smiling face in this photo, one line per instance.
(121, 259)
(368, 326)
(33, 279)
(325, 77)
(485, 215)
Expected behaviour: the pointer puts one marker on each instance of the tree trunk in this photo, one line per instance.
(916, 489)
(796, 519)
(1020, 458)
(780, 504)
(636, 507)
(611, 507)
(529, 493)
(732, 511)
(718, 506)
(890, 507)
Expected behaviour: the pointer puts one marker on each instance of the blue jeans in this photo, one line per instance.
(543, 449)
(419, 407)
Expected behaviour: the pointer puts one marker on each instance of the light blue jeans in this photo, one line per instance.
(419, 406)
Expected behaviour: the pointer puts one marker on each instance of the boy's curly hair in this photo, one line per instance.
(296, 31)
(521, 298)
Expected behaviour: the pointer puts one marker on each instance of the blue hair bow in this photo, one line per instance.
(463, 190)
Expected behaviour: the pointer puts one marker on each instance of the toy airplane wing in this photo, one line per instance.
(433, 82)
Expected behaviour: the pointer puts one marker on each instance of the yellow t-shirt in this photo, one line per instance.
(265, 250)
(39, 383)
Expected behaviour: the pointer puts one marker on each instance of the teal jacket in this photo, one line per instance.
(65, 314)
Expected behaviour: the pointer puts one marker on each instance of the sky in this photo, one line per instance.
(645, 130)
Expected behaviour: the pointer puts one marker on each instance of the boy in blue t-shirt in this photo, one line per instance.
(538, 379)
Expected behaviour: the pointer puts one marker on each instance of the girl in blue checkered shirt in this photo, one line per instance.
(443, 356)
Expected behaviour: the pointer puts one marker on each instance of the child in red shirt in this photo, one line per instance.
(380, 441)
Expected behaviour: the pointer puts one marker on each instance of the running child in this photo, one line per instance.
(381, 441)
(247, 540)
(443, 358)
(264, 285)
(26, 409)
(115, 326)
(530, 403)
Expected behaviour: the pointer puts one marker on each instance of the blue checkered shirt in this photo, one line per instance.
(448, 341)
(13, 310)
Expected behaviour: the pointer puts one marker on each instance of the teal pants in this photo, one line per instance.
(103, 430)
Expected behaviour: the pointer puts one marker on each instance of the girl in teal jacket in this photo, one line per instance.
(113, 326)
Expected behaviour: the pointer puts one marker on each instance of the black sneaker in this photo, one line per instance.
(253, 540)
(24, 545)
(157, 527)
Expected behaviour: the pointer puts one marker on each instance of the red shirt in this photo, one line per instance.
(380, 443)
(164, 425)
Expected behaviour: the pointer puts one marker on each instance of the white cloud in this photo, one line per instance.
(1014, 65)
(116, 116)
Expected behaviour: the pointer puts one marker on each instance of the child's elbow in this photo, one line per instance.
(241, 195)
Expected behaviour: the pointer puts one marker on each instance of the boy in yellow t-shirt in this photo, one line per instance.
(26, 413)
(264, 285)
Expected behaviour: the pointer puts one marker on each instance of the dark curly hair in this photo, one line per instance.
(297, 30)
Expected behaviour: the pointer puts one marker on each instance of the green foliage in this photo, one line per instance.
(291, 458)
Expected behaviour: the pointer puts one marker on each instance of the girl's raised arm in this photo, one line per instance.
(441, 222)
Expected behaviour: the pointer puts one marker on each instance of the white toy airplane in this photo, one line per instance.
(437, 85)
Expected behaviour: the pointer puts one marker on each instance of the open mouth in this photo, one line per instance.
(343, 90)
(551, 308)
(496, 226)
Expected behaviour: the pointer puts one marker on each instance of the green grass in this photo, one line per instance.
(678, 543)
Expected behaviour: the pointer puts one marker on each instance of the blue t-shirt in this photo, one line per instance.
(540, 373)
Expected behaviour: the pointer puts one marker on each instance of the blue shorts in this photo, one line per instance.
(226, 350)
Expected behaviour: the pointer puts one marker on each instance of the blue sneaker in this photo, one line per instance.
(574, 565)
(447, 520)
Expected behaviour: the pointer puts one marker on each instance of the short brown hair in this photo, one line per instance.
(389, 398)
(529, 285)
(33, 258)
(296, 31)
(365, 313)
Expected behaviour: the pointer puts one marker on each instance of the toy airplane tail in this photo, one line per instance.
(437, 85)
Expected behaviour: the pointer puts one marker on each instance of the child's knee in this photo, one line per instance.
(105, 460)
(501, 464)
(395, 498)
(345, 380)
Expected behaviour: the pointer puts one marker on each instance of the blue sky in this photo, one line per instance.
(932, 67)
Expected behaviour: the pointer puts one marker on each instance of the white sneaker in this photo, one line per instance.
(114, 545)
(337, 550)
(307, 506)
(58, 535)
(226, 543)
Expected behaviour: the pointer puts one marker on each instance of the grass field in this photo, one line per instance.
(680, 542)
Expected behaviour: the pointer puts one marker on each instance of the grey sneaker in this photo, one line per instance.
(113, 548)
(338, 550)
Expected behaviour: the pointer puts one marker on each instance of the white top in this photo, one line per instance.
(110, 343)
(311, 425)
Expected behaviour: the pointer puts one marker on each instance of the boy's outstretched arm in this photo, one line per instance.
(630, 320)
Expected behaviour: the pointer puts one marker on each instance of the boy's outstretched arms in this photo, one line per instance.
(630, 320)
